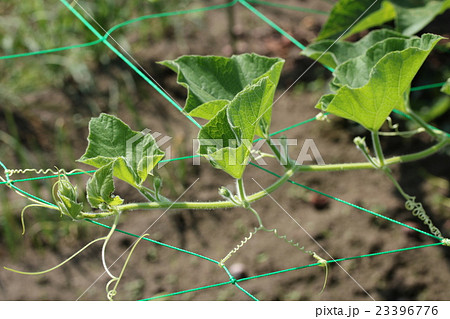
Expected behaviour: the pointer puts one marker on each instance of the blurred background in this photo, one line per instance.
(47, 100)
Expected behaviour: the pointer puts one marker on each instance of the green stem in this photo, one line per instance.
(403, 133)
(302, 168)
(97, 215)
(261, 226)
(388, 173)
(286, 162)
(150, 194)
(147, 193)
(390, 161)
(377, 147)
(241, 191)
(274, 149)
(361, 145)
(231, 33)
(245, 203)
(416, 118)
(206, 205)
(252, 198)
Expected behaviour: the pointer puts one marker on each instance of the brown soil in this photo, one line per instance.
(328, 227)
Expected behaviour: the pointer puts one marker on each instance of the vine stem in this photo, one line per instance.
(261, 226)
(422, 123)
(245, 204)
(388, 173)
(378, 150)
(207, 205)
(91, 215)
(361, 145)
(403, 133)
(288, 174)
(415, 208)
(274, 149)
(241, 190)
(365, 165)
(147, 193)
(284, 161)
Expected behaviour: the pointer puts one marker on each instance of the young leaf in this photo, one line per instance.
(134, 154)
(101, 186)
(66, 198)
(410, 16)
(446, 88)
(371, 86)
(213, 81)
(226, 140)
(333, 54)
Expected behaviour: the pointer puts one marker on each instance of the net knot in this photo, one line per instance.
(322, 262)
(9, 182)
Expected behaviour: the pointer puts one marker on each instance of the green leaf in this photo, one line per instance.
(410, 16)
(101, 186)
(134, 154)
(413, 16)
(372, 85)
(333, 54)
(213, 81)
(236, 95)
(357, 71)
(209, 109)
(446, 88)
(226, 140)
(345, 12)
(66, 198)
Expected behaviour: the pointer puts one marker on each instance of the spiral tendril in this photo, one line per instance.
(289, 241)
(276, 234)
(239, 246)
(42, 171)
(418, 211)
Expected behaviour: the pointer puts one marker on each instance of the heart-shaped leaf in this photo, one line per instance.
(214, 81)
(372, 85)
(356, 72)
(332, 54)
(226, 140)
(410, 16)
(134, 154)
(100, 187)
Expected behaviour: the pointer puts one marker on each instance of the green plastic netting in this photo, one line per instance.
(105, 39)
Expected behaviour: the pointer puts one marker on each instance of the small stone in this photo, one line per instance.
(238, 270)
(319, 201)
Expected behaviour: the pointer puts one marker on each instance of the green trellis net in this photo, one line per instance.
(105, 40)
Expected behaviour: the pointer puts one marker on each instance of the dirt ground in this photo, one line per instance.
(328, 227)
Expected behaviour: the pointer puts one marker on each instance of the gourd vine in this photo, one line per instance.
(234, 96)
